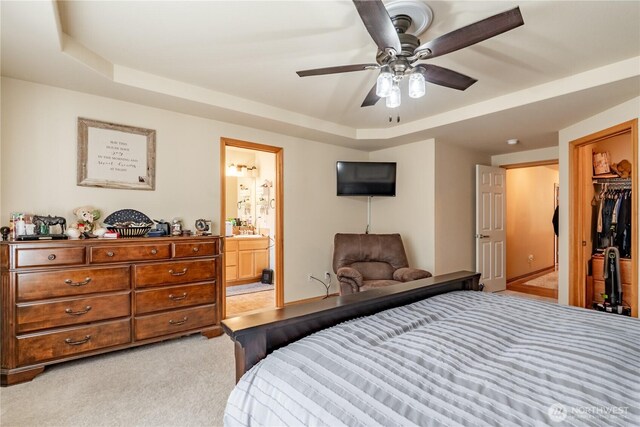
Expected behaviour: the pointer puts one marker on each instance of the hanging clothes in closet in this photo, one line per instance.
(613, 220)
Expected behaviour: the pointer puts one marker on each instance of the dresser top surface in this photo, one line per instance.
(101, 241)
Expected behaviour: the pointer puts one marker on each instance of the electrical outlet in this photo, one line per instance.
(327, 275)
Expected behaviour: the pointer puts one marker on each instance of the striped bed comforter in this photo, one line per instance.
(462, 358)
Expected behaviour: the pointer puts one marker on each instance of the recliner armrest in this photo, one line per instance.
(349, 278)
(407, 274)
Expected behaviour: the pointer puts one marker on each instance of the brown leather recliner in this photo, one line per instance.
(367, 261)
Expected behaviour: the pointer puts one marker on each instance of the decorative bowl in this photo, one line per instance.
(130, 231)
(126, 215)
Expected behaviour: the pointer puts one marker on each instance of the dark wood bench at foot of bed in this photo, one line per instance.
(259, 334)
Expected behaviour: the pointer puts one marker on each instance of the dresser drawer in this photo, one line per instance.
(155, 325)
(170, 273)
(125, 253)
(46, 346)
(44, 315)
(195, 249)
(52, 256)
(52, 284)
(174, 297)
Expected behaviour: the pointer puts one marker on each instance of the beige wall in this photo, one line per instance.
(621, 113)
(411, 212)
(455, 219)
(38, 169)
(539, 155)
(530, 207)
(434, 209)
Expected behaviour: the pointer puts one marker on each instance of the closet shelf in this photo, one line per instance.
(602, 180)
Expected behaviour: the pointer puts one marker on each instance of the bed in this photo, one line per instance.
(452, 357)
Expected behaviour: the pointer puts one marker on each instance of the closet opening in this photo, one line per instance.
(604, 219)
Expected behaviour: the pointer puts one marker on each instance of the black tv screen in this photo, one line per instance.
(366, 178)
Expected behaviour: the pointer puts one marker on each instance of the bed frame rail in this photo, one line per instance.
(257, 335)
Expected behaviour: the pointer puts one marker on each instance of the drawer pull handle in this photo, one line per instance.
(154, 251)
(195, 249)
(178, 322)
(110, 253)
(177, 298)
(82, 341)
(178, 273)
(78, 313)
(51, 257)
(72, 283)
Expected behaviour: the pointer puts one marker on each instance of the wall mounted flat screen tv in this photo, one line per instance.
(366, 178)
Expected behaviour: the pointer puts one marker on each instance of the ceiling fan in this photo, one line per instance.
(398, 52)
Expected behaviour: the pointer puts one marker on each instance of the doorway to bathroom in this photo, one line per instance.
(251, 210)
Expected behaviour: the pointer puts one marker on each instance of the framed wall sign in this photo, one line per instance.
(116, 156)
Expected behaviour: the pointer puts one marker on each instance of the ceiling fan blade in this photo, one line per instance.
(371, 98)
(444, 76)
(338, 69)
(377, 21)
(473, 33)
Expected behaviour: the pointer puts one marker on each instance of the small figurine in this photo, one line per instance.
(87, 224)
(49, 224)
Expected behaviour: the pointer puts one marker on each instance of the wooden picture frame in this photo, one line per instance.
(601, 163)
(116, 156)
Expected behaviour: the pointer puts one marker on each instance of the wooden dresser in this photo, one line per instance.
(245, 258)
(67, 299)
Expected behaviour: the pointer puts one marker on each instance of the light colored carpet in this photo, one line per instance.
(249, 288)
(548, 281)
(180, 382)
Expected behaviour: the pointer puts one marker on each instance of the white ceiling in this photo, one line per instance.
(236, 61)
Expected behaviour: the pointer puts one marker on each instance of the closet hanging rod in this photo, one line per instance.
(615, 186)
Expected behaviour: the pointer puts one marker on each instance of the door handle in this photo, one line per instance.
(482, 236)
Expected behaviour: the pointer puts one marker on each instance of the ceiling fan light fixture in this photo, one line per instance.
(393, 100)
(384, 83)
(417, 87)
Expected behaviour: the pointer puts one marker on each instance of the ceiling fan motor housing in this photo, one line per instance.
(409, 43)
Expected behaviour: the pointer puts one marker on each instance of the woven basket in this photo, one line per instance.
(130, 231)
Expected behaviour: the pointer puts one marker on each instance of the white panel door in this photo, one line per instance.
(490, 227)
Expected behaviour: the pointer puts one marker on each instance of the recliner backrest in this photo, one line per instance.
(375, 256)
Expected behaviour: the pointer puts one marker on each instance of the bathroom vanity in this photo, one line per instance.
(245, 258)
